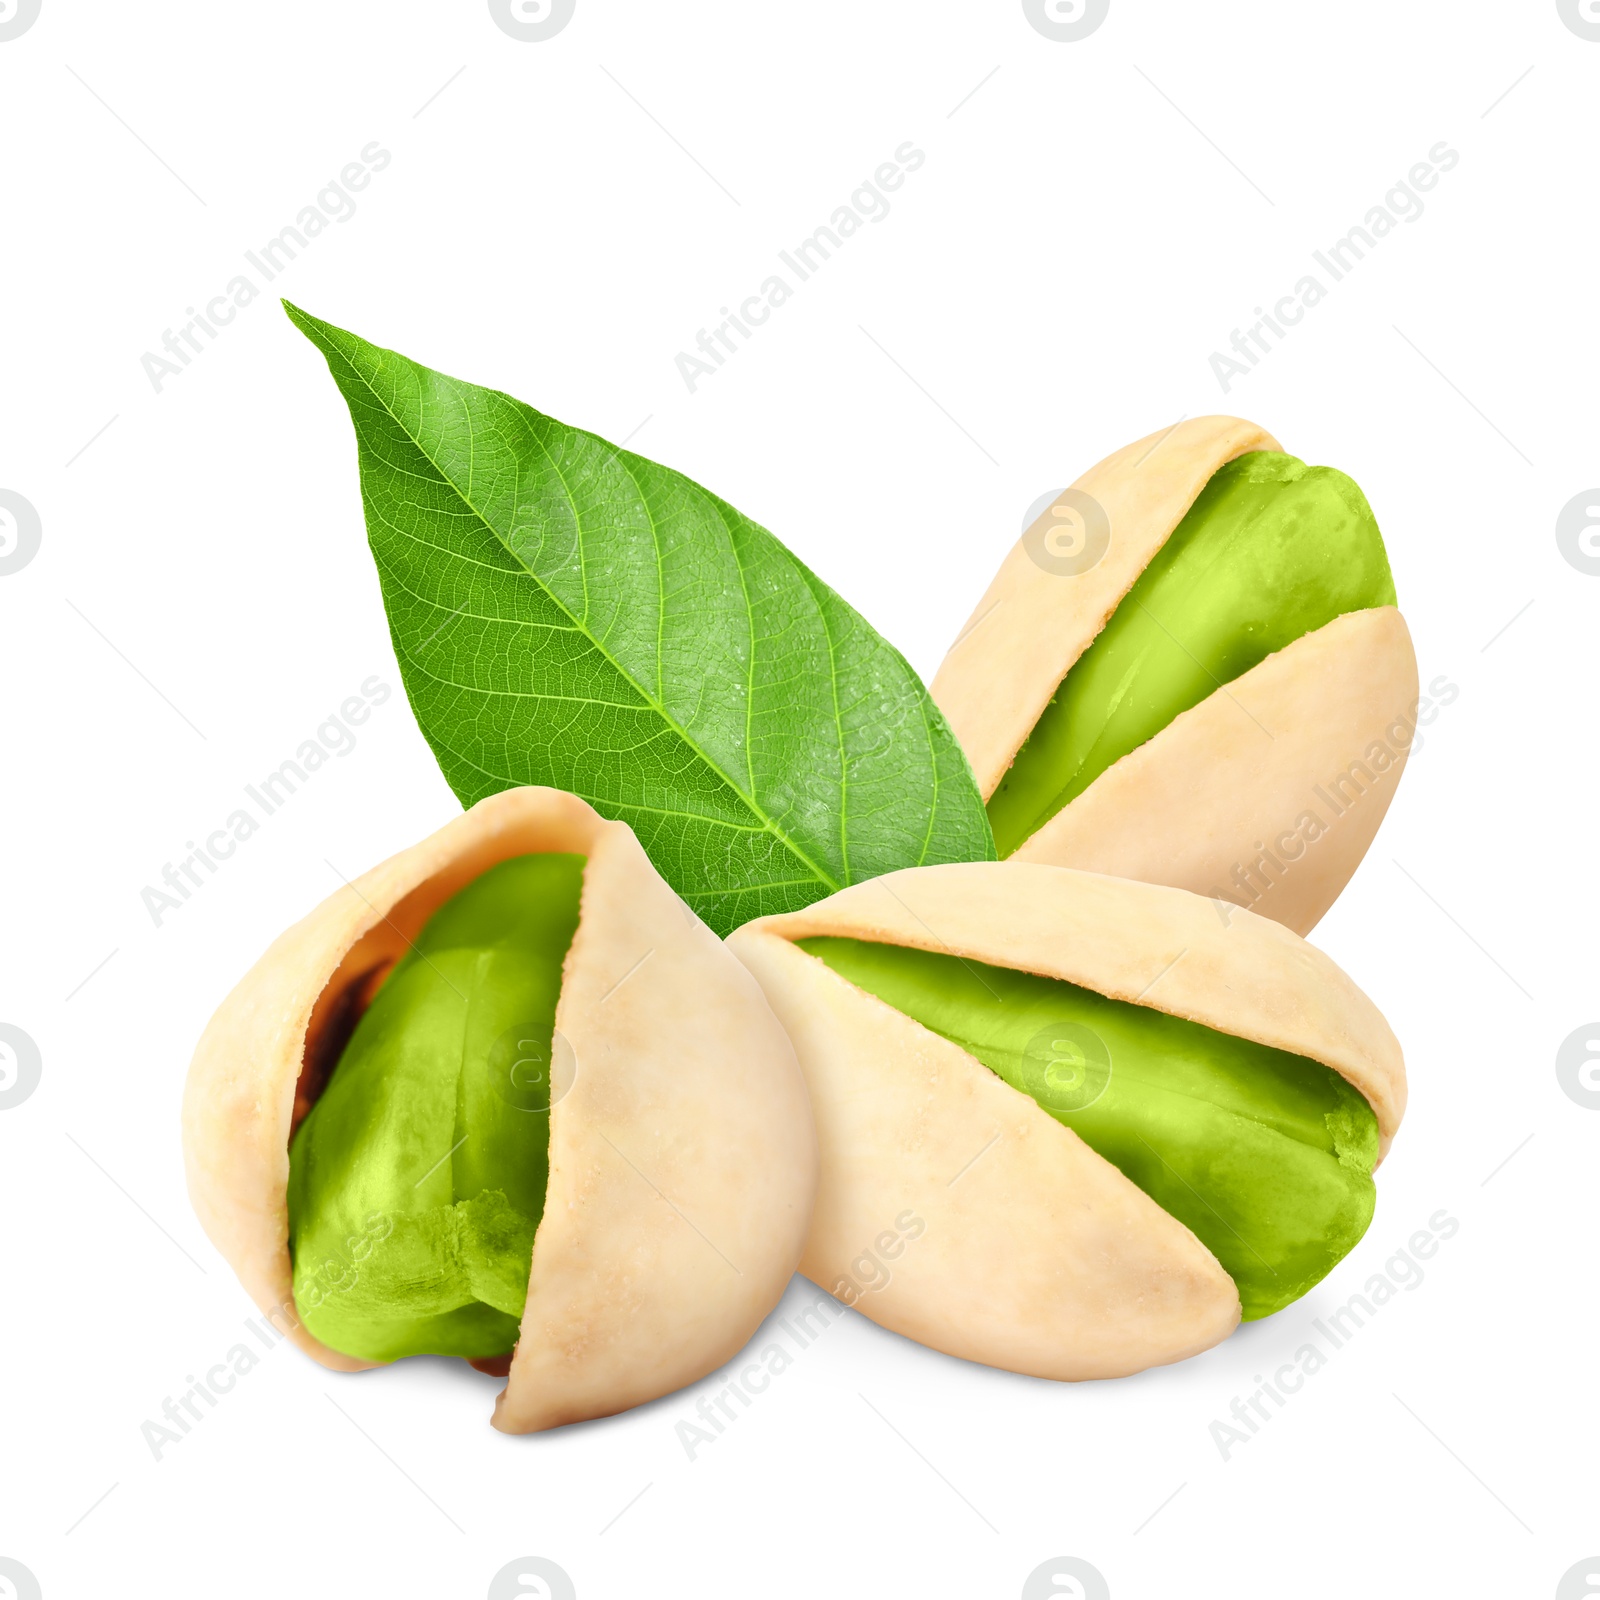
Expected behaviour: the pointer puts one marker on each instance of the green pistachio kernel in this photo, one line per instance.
(417, 1180)
(1265, 1156)
(1270, 550)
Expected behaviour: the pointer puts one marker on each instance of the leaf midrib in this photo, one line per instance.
(767, 822)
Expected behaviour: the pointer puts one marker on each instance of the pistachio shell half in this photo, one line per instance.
(1032, 1252)
(1265, 793)
(683, 1156)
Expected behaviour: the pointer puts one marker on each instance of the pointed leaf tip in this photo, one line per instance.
(570, 614)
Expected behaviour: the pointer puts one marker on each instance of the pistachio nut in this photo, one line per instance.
(505, 1097)
(1121, 1123)
(1207, 685)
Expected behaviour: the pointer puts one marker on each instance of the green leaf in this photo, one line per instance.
(568, 613)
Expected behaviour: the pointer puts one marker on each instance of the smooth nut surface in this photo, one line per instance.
(1038, 1255)
(682, 1158)
(1274, 785)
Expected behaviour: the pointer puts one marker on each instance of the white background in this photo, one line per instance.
(1047, 287)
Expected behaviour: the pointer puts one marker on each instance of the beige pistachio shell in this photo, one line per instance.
(1286, 775)
(682, 1159)
(1202, 800)
(1037, 1255)
(1031, 625)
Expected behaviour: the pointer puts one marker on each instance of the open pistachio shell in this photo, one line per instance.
(1035, 1254)
(1320, 729)
(683, 1157)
